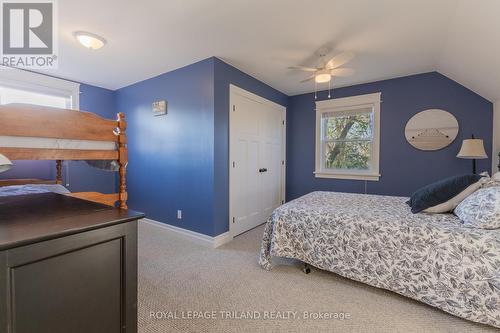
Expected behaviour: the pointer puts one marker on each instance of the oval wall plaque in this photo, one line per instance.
(431, 129)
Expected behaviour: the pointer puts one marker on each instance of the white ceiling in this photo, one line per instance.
(391, 38)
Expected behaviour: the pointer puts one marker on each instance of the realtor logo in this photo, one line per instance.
(29, 34)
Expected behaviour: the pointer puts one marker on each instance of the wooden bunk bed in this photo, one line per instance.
(29, 132)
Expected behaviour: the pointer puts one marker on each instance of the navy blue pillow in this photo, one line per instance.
(439, 192)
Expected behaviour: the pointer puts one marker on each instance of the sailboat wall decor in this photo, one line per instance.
(431, 129)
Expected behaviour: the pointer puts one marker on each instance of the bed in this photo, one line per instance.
(30, 132)
(378, 241)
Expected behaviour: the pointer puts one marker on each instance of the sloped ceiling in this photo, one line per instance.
(390, 38)
(471, 51)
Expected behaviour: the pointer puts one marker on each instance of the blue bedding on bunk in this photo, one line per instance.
(32, 189)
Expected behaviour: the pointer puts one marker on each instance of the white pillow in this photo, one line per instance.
(496, 177)
(481, 209)
(450, 205)
(493, 181)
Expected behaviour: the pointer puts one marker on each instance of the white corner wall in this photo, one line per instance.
(496, 136)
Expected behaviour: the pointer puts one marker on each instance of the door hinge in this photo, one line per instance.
(234, 164)
(282, 162)
(282, 201)
(233, 219)
(283, 122)
(234, 107)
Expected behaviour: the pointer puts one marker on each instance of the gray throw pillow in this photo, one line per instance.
(481, 209)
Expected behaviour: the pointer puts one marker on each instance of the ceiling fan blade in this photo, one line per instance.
(302, 68)
(308, 79)
(342, 72)
(339, 60)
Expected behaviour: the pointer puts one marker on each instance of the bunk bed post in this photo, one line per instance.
(58, 172)
(122, 159)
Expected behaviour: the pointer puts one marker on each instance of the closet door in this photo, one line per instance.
(256, 160)
(271, 159)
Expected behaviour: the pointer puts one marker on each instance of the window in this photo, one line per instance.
(9, 95)
(347, 137)
(17, 86)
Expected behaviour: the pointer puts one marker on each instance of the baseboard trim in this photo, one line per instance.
(199, 238)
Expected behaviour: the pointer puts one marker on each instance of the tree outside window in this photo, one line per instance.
(347, 137)
(347, 140)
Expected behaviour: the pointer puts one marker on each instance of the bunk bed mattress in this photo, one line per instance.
(51, 143)
(378, 241)
(32, 189)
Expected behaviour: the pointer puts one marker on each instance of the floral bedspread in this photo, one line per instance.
(377, 240)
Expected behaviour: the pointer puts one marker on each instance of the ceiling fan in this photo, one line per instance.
(325, 70)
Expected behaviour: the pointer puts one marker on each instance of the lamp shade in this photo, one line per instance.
(5, 163)
(472, 149)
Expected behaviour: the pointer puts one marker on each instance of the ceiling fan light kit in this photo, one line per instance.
(322, 78)
(325, 72)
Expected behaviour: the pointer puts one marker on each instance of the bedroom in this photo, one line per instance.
(194, 113)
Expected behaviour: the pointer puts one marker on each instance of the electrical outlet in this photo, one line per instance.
(179, 214)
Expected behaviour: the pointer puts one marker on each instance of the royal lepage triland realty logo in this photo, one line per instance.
(29, 34)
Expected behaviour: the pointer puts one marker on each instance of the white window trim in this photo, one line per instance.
(19, 79)
(331, 105)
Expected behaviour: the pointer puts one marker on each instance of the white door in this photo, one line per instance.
(256, 159)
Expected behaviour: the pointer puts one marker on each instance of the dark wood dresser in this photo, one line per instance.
(67, 265)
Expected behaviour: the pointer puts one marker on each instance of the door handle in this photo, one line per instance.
(263, 170)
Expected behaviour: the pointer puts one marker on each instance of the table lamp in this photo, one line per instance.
(5, 163)
(472, 149)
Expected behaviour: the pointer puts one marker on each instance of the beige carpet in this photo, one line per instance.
(177, 275)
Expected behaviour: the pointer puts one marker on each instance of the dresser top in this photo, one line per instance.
(26, 219)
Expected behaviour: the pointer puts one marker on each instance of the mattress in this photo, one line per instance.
(376, 240)
(13, 190)
(51, 143)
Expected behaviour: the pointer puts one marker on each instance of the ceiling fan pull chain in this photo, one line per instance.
(315, 90)
(329, 89)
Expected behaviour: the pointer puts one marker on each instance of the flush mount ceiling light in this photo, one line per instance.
(90, 40)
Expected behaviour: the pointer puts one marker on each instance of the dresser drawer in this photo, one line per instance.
(84, 282)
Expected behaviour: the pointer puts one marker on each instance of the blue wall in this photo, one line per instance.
(403, 168)
(180, 161)
(224, 76)
(81, 177)
(171, 157)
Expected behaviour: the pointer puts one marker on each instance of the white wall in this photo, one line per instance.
(496, 136)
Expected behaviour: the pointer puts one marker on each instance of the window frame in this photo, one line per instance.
(40, 83)
(342, 105)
